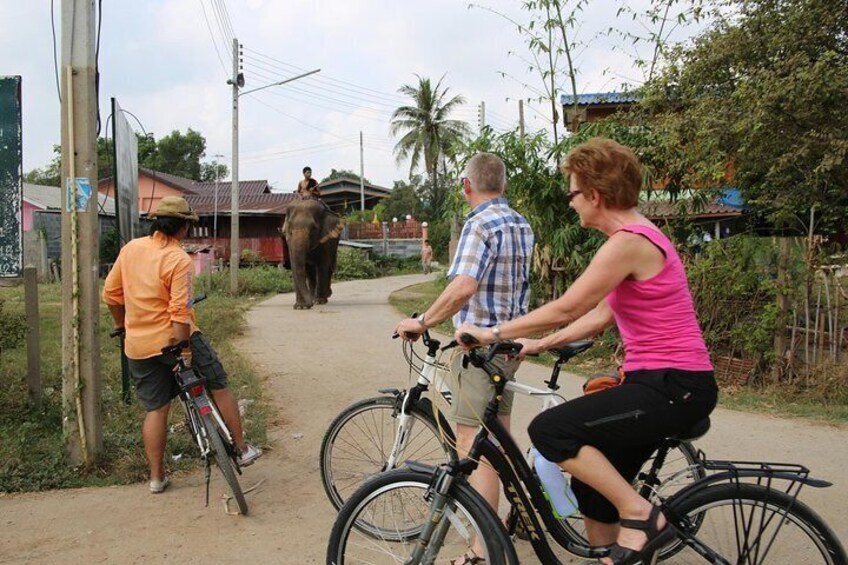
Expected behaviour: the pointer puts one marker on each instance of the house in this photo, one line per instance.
(343, 195)
(261, 211)
(720, 216)
(42, 210)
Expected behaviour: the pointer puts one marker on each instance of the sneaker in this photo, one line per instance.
(249, 455)
(157, 487)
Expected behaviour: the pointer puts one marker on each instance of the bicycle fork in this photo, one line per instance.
(436, 528)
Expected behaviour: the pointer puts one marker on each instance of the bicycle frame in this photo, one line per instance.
(196, 401)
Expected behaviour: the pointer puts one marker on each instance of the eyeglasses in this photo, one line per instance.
(570, 196)
(462, 181)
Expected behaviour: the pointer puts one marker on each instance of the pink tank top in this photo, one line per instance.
(656, 317)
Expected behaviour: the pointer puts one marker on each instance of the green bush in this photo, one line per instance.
(261, 279)
(353, 264)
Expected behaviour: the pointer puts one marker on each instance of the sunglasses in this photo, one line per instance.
(570, 196)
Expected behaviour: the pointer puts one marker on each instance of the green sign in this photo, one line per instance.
(11, 189)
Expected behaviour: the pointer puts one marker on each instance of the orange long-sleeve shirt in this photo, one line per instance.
(153, 279)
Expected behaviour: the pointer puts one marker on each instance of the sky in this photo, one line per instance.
(167, 62)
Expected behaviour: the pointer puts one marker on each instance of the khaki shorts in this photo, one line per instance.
(471, 390)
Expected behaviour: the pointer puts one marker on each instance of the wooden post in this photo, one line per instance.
(33, 378)
(779, 365)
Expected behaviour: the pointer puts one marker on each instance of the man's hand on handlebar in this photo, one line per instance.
(528, 347)
(410, 329)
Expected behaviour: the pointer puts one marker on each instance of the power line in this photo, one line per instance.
(212, 36)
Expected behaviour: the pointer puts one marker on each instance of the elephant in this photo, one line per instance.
(312, 233)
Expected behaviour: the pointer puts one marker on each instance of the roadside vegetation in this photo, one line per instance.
(826, 401)
(32, 456)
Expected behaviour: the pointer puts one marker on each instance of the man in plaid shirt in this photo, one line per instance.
(490, 284)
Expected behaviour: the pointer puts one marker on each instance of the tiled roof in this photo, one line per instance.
(245, 187)
(599, 98)
(268, 203)
(181, 183)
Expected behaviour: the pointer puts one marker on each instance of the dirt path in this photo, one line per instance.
(317, 362)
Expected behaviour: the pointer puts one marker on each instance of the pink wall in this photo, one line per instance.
(149, 192)
(26, 215)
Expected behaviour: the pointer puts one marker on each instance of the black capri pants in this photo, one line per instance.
(626, 423)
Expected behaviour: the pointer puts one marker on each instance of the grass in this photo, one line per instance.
(777, 402)
(32, 449)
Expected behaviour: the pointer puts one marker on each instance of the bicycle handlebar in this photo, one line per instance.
(199, 298)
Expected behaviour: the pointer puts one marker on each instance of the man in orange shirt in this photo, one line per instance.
(149, 291)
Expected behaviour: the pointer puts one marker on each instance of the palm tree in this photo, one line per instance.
(427, 132)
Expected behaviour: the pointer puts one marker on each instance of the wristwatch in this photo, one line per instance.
(420, 320)
(496, 331)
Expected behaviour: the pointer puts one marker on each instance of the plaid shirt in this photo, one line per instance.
(495, 249)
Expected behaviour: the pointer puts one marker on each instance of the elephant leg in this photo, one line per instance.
(312, 280)
(303, 293)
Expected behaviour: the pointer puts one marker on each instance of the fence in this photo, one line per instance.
(405, 229)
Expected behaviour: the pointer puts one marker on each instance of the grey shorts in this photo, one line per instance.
(471, 390)
(155, 383)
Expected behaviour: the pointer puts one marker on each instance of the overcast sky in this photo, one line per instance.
(167, 62)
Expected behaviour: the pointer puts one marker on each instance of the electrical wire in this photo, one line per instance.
(212, 36)
(55, 56)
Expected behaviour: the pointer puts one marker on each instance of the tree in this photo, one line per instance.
(760, 96)
(342, 174)
(176, 154)
(428, 134)
(404, 200)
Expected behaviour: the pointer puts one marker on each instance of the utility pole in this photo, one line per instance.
(235, 255)
(521, 119)
(481, 116)
(80, 236)
(361, 173)
(217, 182)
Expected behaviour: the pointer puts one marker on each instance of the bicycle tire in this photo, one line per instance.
(481, 519)
(672, 481)
(224, 462)
(800, 528)
(374, 461)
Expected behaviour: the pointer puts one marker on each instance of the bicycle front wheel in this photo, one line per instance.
(224, 462)
(752, 524)
(359, 441)
(381, 523)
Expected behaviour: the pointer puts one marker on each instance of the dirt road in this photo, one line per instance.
(316, 362)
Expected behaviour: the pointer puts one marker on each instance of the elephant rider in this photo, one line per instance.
(148, 292)
(304, 182)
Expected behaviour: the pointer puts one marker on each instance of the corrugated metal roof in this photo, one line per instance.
(50, 198)
(354, 183)
(592, 98)
(245, 187)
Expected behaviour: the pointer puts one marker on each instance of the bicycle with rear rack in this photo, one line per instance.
(204, 422)
(740, 512)
(381, 433)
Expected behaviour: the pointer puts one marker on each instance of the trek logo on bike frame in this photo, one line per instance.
(516, 503)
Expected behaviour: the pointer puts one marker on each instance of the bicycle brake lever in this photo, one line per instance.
(451, 345)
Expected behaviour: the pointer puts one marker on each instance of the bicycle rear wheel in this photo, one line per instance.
(381, 522)
(359, 440)
(224, 461)
(752, 524)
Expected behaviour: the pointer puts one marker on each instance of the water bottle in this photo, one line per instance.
(559, 493)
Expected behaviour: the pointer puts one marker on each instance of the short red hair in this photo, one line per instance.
(608, 167)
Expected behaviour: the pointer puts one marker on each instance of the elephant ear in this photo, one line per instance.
(333, 227)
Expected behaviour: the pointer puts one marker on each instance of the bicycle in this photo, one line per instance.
(204, 421)
(673, 465)
(738, 504)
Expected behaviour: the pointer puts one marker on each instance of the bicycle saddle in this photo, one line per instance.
(569, 350)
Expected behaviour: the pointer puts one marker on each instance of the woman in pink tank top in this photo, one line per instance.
(637, 282)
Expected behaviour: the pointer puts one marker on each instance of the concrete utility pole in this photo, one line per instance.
(481, 116)
(235, 255)
(217, 156)
(80, 236)
(361, 174)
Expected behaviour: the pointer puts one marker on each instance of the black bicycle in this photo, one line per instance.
(739, 513)
(204, 422)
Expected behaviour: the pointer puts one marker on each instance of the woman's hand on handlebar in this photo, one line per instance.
(483, 336)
